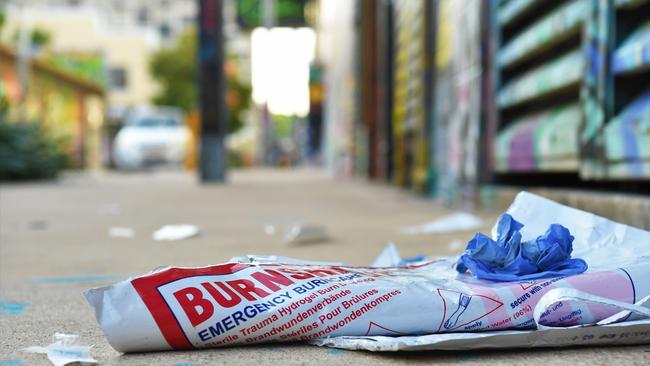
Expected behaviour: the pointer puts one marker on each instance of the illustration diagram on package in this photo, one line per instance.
(463, 301)
(462, 309)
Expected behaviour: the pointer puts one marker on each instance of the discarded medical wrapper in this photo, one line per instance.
(424, 305)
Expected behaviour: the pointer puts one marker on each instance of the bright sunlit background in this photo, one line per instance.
(280, 59)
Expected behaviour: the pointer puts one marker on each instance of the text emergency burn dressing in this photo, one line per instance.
(245, 303)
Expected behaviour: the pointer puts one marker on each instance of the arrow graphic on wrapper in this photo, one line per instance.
(370, 328)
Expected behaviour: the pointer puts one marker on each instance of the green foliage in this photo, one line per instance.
(175, 69)
(2, 19)
(40, 37)
(27, 151)
(4, 102)
(288, 13)
(86, 66)
(234, 159)
(239, 99)
(282, 125)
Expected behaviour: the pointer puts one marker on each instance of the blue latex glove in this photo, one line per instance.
(508, 259)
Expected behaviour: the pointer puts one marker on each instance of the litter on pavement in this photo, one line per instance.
(306, 233)
(455, 245)
(269, 229)
(176, 232)
(459, 221)
(37, 225)
(121, 232)
(65, 351)
(425, 304)
(297, 231)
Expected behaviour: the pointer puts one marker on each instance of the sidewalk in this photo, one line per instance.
(54, 244)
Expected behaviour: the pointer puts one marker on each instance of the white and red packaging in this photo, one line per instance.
(261, 300)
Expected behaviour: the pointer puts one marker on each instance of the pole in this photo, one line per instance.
(212, 90)
(268, 158)
(268, 13)
(24, 63)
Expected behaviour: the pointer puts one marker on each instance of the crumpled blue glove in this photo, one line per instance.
(508, 259)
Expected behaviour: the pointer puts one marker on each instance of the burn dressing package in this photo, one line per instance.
(258, 299)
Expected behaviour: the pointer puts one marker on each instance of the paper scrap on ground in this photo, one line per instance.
(269, 229)
(306, 233)
(176, 232)
(37, 225)
(65, 350)
(121, 232)
(459, 221)
(455, 245)
(281, 225)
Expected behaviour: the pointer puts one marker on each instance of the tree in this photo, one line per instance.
(29, 151)
(176, 71)
(40, 37)
(2, 19)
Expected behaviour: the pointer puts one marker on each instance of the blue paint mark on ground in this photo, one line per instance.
(335, 352)
(468, 356)
(183, 364)
(11, 362)
(77, 279)
(12, 308)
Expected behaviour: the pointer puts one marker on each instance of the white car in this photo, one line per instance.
(150, 136)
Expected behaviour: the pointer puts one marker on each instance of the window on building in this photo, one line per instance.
(118, 78)
(165, 31)
(118, 5)
(189, 20)
(143, 16)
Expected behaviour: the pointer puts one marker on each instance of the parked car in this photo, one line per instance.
(152, 135)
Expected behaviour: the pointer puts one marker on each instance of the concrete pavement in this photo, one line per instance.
(54, 244)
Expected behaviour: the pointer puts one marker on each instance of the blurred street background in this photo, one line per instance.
(446, 99)
(244, 117)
